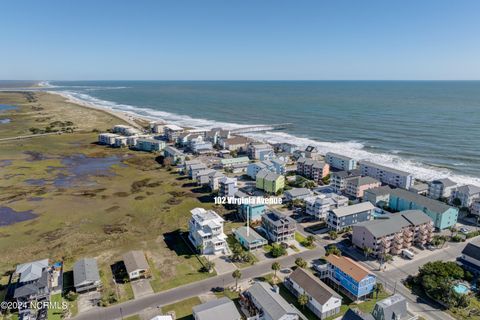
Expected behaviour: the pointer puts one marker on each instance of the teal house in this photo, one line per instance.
(443, 215)
(253, 211)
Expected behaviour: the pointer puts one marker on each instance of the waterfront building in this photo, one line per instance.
(149, 144)
(260, 151)
(387, 175)
(319, 205)
(312, 169)
(120, 141)
(467, 195)
(125, 130)
(173, 154)
(32, 283)
(441, 188)
(393, 232)
(172, 132)
(206, 231)
(227, 187)
(107, 138)
(338, 179)
(278, 227)
(355, 187)
(236, 143)
(340, 162)
(344, 217)
(203, 176)
(322, 300)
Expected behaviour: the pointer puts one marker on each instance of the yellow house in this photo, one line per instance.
(269, 181)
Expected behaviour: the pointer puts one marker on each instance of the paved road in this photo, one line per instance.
(191, 290)
(30, 136)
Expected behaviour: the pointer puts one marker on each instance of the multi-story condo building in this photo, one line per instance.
(206, 231)
(227, 187)
(379, 197)
(125, 130)
(443, 215)
(467, 195)
(340, 162)
(393, 232)
(214, 180)
(322, 300)
(256, 167)
(387, 175)
(270, 182)
(172, 132)
(441, 188)
(344, 217)
(149, 144)
(312, 169)
(236, 143)
(338, 179)
(353, 280)
(260, 151)
(173, 154)
(107, 138)
(278, 227)
(355, 187)
(319, 205)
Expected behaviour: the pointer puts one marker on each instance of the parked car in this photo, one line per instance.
(464, 230)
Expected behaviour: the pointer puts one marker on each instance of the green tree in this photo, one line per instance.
(332, 234)
(333, 249)
(457, 202)
(378, 288)
(310, 240)
(277, 250)
(300, 262)
(275, 267)
(303, 300)
(367, 251)
(236, 275)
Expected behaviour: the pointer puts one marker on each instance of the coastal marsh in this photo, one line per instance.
(133, 204)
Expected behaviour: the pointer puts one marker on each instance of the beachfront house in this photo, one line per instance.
(260, 151)
(216, 309)
(350, 277)
(172, 132)
(86, 276)
(235, 165)
(236, 143)
(441, 188)
(125, 130)
(356, 187)
(32, 283)
(322, 300)
(344, 217)
(387, 175)
(297, 194)
(338, 179)
(319, 205)
(249, 238)
(136, 265)
(263, 302)
(340, 162)
(393, 232)
(278, 227)
(214, 180)
(443, 215)
(269, 182)
(313, 169)
(206, 231)
(466, 195)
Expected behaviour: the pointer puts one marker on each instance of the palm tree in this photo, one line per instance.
(236, 275)
(275, 268)
(453, 230)
(378, 288)
(367, 251)
(333, 234)
(303, 300)
(310, 240)
(301, 263)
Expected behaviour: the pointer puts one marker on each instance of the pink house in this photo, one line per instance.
(356, 186)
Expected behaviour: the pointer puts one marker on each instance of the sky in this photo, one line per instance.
(240, 40)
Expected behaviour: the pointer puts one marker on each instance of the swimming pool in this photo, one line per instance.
(460, 288)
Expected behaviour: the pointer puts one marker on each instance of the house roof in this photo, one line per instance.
(431, 204)
(469, 189)
(313, 286)
(445, 182)
(32, 288)
(298, 192)
(84, 271)
(346, 174)
(355, 208)
(236, 140)
(393, 307)
(31, 271)
(278, 218)
(271, 302)
(348, 266)
(222, 308)
(135, 260)
(268, 175)
(380, 191)
(361, 181)
(393, 223)
(356, 314)
(252, 235)
(472, 249)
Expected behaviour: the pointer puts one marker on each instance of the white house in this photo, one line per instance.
(470, 257)
(297, 194)
(340, 162)
(319, 205)
(466, 194)
(206, 231)
(441, 188)
(322, 300)
(136, 265)
(107, 138)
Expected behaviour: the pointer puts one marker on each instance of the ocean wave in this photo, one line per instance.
(352, 149)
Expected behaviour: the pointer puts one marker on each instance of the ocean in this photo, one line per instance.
(429, 128)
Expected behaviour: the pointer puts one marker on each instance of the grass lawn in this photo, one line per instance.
(133, 204)
(303, 241)
(231, 241)
(182, 309)
(55, 313)
(135, 317)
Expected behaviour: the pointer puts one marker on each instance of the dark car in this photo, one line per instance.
(218, 289)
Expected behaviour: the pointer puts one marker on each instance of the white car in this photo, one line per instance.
(464, 230)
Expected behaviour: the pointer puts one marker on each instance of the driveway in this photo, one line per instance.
(141, 288)
(87, 301)
(223, 265)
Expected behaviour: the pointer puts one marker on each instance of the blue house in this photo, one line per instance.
(253, 211)
(351, 278)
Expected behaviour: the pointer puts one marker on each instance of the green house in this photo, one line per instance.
(270, 182)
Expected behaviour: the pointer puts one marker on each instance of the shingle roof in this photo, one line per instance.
(222, 308)
(348, 210)
(271, 302)
(345, 174)
(380, 191)
(356, 314)
(393, 307)
(446, 182)
(135, 260)
(313, 286)
(469, 189)
(360, 181)
(85, 270)
(348, 266)
(473, 249)
(431, 204)
(31, 270)
(297, 192)
(252, 235)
